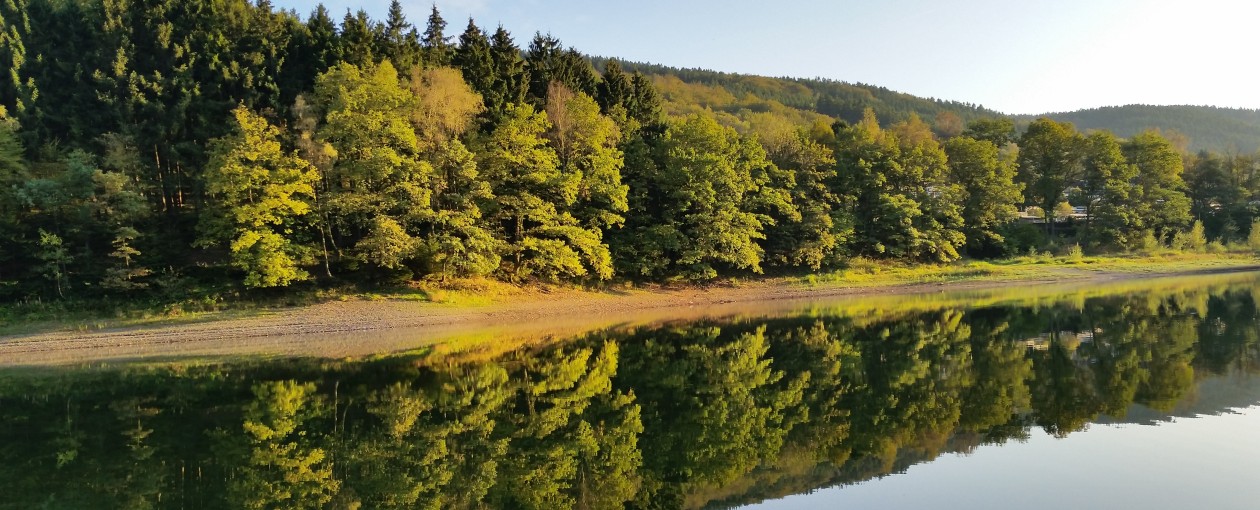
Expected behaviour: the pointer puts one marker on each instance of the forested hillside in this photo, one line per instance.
(733, 97)
(1226, 130)
(159, 147)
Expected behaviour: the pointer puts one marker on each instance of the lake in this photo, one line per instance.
(1140, 394)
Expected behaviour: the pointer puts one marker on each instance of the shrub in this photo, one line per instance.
(1075, 254)
(1193, 240)
(1253, 238)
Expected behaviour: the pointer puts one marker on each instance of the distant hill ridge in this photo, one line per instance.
(1216, 129)
(735, 96)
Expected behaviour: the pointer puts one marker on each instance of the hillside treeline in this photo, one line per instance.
(149, 144)
(1226, 130)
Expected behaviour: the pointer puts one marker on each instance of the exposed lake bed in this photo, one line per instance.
(338, 329)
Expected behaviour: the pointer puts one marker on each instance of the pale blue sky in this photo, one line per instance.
(1015, 56)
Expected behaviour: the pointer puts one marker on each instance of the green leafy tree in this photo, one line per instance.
(379, 186)
(260, 190)
(925, 178)
(903, 204)
(1105, 192)
(54, 259)
(998, 131)
(987, 178)
(813, 238)
(1049, 163)
(532, 198)
(1158, 186)
(458, 242)
(694, 218)
(586, 145)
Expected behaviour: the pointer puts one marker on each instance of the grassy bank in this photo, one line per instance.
(865, 273)
(37, 317)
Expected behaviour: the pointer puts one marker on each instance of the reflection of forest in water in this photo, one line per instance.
(685, 416)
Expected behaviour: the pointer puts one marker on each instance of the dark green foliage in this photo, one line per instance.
(474, 59)
(987, 178)
(437, 48)
(901, 199)
(400, 43)
(996, 131)
(360, 38)
(510, 82)
(549, 62)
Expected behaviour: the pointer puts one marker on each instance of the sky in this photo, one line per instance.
(1013, 56)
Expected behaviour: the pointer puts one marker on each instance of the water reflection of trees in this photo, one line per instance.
(684, 416)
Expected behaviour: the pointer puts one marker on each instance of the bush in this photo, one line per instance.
(1192, 241)
(1148, 244)
(1253, 238)
(1075, 253)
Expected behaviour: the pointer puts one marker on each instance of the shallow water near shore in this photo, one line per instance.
(1135, 394)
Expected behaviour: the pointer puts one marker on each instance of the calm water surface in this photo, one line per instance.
(1138, 397)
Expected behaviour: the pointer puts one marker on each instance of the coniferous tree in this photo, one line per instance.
(318, 48)
(615, 89)
(360, 39)
(510, 84)
(437, 48)
(549, 62)
(474, 59)
(400, 43)
(17, 88)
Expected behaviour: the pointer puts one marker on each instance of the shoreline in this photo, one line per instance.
(366, 327)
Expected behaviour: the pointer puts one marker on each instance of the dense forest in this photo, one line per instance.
(148, 146)
(704, 415)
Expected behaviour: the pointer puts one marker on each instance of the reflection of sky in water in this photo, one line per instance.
(1208, 462)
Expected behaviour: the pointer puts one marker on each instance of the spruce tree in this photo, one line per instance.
(511, 83)
(473, 58)
(437, 48)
